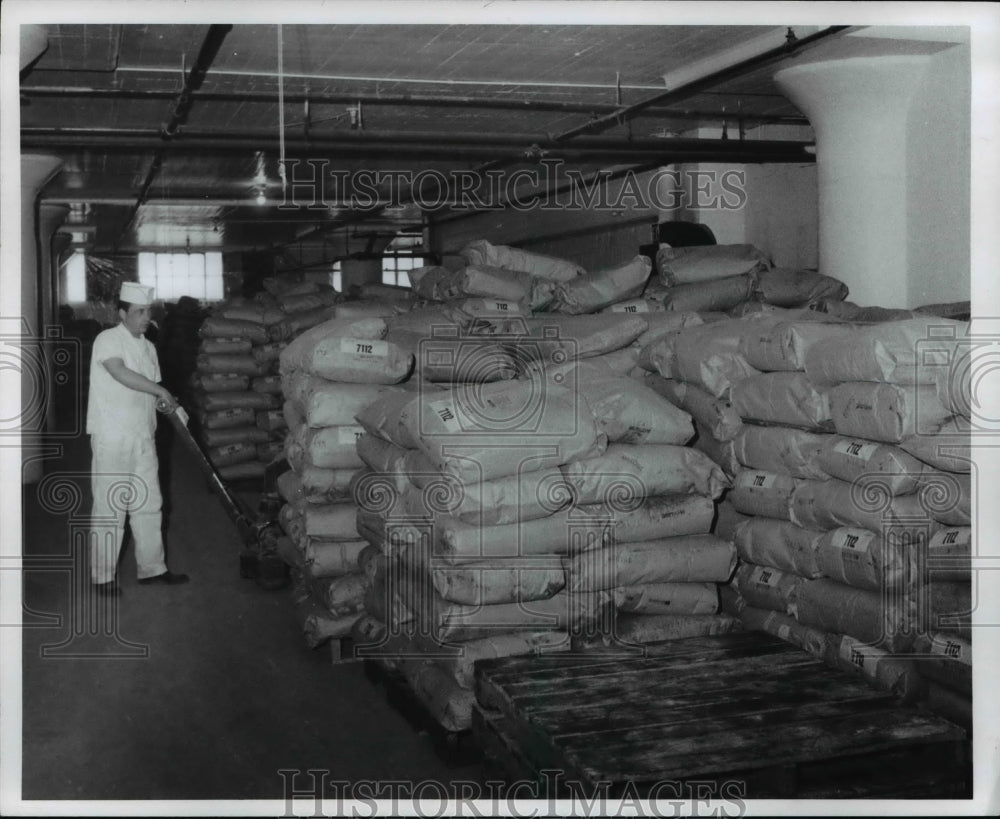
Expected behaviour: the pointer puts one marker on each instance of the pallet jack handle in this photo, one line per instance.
(235, 508)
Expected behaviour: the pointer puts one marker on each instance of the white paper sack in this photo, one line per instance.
(332, 405)
(781, 398)
(765, 587)
(779, 544)
(885, 412)
(626, 473)
(769, 494)
(501, 429)
(709, 357)
(855, 459)
(481, 252)
(484, 583)
(861, 558)
(715, 415)
(625, 410)
(780, 449)
(527, 496)
(782, 345)
(593, 291)
(679, 265)
(833, 503)
(668, 598)
(898, 352)
(947, 447)
(692, 559)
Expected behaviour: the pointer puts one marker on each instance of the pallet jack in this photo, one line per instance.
(259, 531)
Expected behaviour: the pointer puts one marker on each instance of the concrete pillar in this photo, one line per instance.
(859, 109)
(36, 171)
(50, 217)
(60, 244)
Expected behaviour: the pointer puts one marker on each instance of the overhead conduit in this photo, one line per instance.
(182, 109)
(629, 112)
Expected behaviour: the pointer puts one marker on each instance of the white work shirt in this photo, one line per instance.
(114, 410)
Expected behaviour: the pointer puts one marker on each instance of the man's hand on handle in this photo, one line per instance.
(165, 402)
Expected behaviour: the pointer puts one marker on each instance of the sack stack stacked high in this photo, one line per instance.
(502, 520)
(902, 410)
(235, 384)
(328, 374)
(465, 504)
(850, 507)
(177, 345)
(655, 500)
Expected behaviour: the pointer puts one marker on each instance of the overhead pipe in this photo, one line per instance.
(695, 86)
(395, 80)
(182, 108)
(402, 143)
(628, 112)
(399, 100)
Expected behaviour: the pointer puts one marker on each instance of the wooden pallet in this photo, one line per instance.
(739, 708)
(455, 748)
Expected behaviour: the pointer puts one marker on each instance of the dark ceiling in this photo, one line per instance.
(400, 97)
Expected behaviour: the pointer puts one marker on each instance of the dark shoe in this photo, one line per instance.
(169, 578)
(109, 589)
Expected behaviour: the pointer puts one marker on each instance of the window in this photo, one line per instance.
(396, 269)
(198, 275)
(76, 279)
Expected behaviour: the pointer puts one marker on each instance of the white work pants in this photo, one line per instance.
(124, 479)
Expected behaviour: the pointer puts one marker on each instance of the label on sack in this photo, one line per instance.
(365, 347)
(765, 577)
(231, 449)
(500, 306)
(637, 306)
(755, 480)
(952, 537)
(348, 436)
(862, 450)
(784, 631)
(447, 414)
(861, 656)
(955, 649)
(856, 541)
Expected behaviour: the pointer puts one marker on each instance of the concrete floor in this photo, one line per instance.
(228, 693)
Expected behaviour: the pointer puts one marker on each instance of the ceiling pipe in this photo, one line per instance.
(713, 78)
(730, 72)
(182, 108)
(463, 145)
(400, 100)
(396, 80)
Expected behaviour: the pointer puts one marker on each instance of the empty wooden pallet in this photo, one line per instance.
(748, 712)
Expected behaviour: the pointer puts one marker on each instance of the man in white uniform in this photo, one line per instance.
(121, 420)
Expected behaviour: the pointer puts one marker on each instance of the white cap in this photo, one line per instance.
(138, 294)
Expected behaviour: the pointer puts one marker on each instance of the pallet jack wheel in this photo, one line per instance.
(249, 564)
(272, 572)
